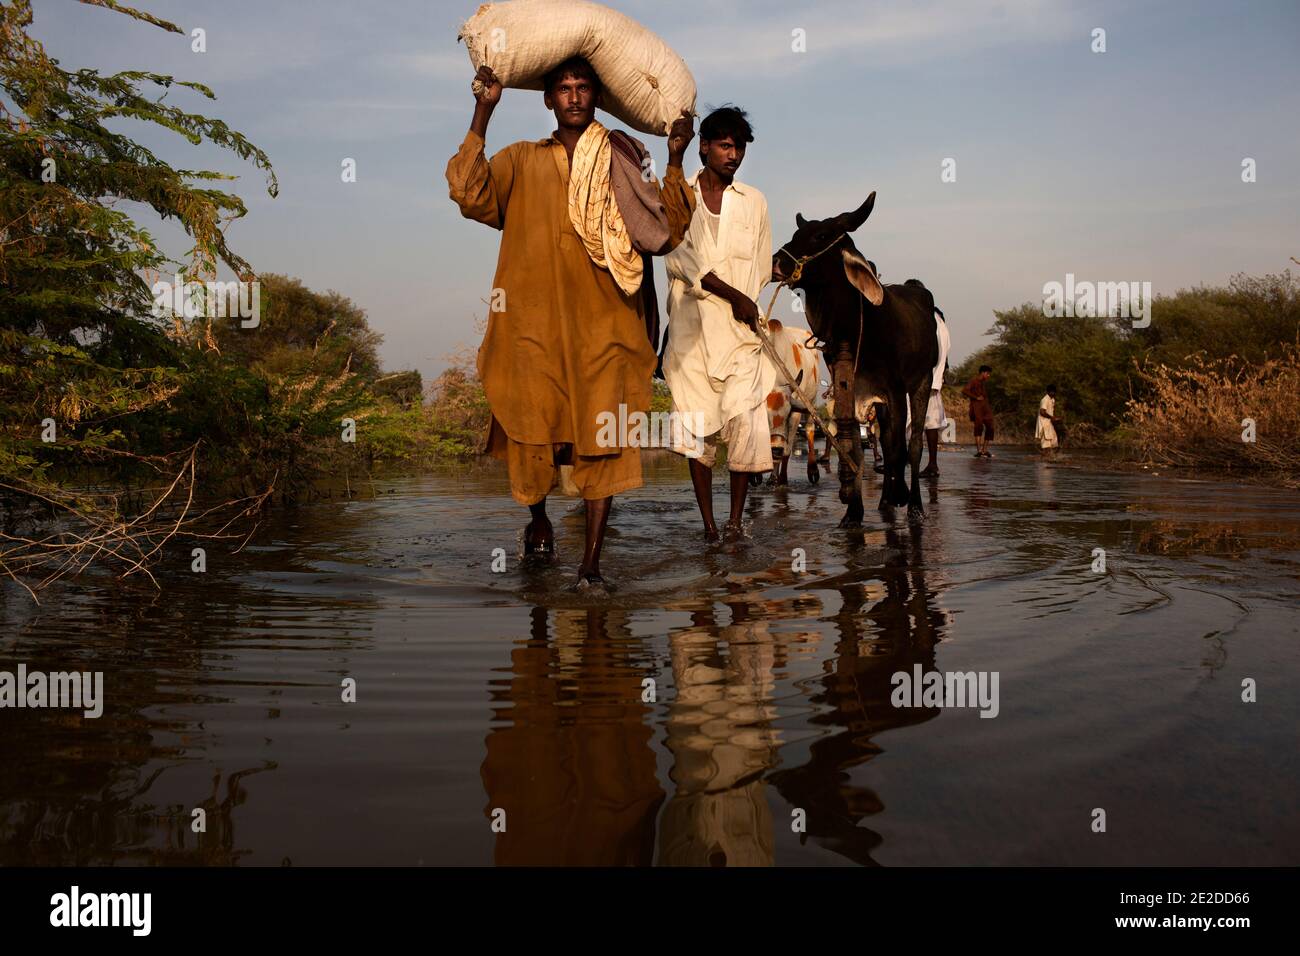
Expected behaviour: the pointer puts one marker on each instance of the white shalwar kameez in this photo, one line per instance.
(935, 416)
(1045, 431)
(714, 366)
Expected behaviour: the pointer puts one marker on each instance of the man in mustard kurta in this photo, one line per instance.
(565, 344)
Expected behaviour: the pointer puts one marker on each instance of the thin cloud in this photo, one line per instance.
(884, 34)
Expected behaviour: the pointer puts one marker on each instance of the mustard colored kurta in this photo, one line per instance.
(569, 344)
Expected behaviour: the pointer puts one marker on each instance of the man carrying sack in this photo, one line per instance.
(566, 341)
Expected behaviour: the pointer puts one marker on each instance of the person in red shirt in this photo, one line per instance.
(981, 412)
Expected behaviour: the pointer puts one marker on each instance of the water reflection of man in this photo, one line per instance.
(571, 763)
(721, 736)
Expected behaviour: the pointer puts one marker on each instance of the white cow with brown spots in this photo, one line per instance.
(788, 407)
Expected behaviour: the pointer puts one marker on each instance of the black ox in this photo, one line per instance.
(880, 346)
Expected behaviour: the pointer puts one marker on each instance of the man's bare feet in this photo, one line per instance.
(710, 533)
(539, 538)
(732, 532)
(591, 583)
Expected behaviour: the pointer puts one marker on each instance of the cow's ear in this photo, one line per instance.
(862, 276)
(851, 220)
(799, 220)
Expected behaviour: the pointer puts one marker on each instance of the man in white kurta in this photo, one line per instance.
(1045, 429)
(713, 361)
(935, 416)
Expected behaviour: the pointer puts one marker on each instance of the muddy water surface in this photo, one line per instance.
(722, 698)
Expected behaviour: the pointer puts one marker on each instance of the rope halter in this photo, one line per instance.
(800, 262)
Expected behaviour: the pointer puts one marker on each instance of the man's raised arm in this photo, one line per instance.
(678, 197)
(481, 188)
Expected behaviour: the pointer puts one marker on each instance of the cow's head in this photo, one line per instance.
(828, 255)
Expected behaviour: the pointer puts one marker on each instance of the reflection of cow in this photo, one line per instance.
(879, 635)
(788, 407)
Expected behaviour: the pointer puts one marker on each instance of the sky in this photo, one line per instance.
(1117, 166)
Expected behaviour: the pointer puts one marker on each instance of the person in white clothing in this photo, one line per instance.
(1045, 430)
(935, 416)
(713, 360)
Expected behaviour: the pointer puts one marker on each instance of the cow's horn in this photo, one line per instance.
(856, 218)
(799, 220)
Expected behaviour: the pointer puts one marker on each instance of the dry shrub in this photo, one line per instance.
(1084, 435)
(91, 527)
(1193, 416)
(458, 410)
(1178, 539)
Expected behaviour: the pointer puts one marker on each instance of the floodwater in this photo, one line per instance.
(728, 705)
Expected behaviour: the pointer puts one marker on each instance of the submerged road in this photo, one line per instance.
(729, 705)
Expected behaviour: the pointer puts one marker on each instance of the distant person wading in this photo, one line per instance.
(981, 412)
(935, 416)
(1047, 425)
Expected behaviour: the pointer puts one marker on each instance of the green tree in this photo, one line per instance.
(1251, 317)
(1097, 363)
(1088, 359)
(73, 266)
(296, 319)
(78, 341)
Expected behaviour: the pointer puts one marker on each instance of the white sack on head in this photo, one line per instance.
(646, 84)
